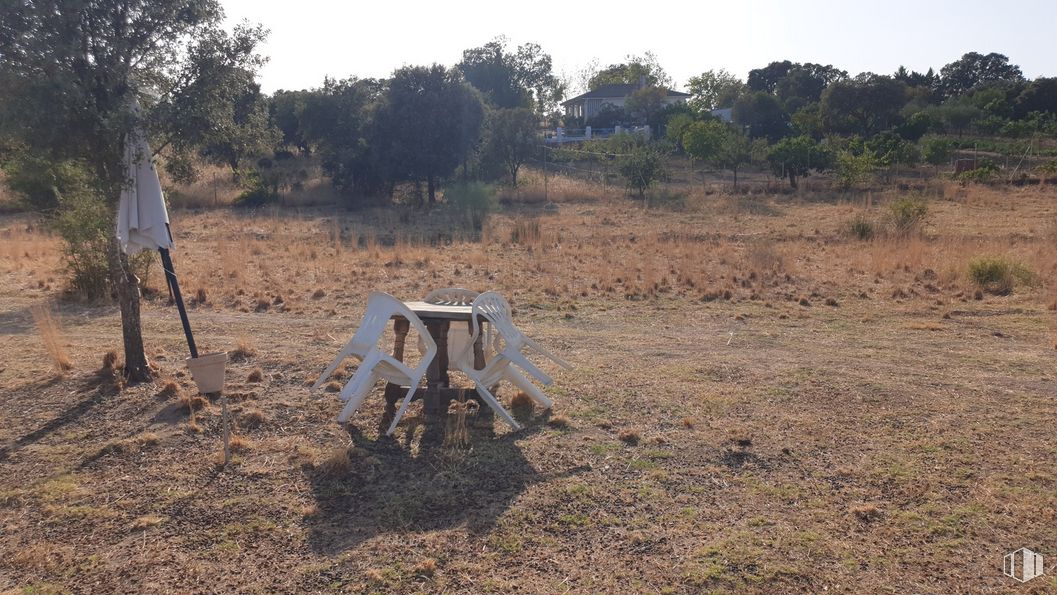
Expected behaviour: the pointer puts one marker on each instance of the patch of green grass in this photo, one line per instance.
(998, 275)
(575, 520)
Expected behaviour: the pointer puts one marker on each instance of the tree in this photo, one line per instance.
(804, 84)
(284, 112)
(765, 80)
(796, 156)
(644, 104)
(430, 121)
(762, 114)
(641, 167)
(718, 144)
(936, 150)
(71, 72)
(633, 71)
(973, 69)
(339, 119)
(1039, 96)
(865, 105)
(244, 130)
(523, 78)
(714, 89)
(512, 138)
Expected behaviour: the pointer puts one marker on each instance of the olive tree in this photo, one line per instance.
(72, 72)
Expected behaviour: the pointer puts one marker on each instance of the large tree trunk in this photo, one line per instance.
(432, 190)
(127, 285)
(792, 179)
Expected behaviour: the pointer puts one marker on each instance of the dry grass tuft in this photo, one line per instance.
(145, 522)
(200, 296)
(319, 294)
(194, 403)
(560, 422)
(252, 418)
(243, 350)
(522, 405)
(629, 436)
(171, 389)
(255, 376)
(866, 512)
(333, 386)
(109, 361)
(336, 464)
(239, 444)
(51, 335)
(689, 422)
(427, 567)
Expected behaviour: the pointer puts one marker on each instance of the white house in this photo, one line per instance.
(586, 106)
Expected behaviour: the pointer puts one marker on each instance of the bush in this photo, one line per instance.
(85, 223)
(641, 168)
(997, 275)
(861, 227)
(474, 200)
(908, 213)
(855, 170)
(42, 183)
(983, 173)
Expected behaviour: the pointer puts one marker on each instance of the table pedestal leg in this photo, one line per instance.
(485, 415)
(434, 406)
(393, 393)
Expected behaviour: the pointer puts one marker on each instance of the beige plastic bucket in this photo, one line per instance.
(208, 371)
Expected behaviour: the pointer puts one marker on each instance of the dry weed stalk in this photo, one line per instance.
(455, 434)
(51, 335)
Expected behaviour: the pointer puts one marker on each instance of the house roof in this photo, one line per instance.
(617, 91)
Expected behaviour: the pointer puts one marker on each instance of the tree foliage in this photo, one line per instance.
(974, 69)
(762, 115)
(431, 122)
(714, 89)
(522, 78)
(796, 156)
(512, 138)
(635, 69)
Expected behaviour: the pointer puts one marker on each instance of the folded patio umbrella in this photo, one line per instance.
(142, 219)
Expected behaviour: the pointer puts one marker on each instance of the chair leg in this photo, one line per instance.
(494, 404)
(403, 407)
(530, 389)
(356, 398)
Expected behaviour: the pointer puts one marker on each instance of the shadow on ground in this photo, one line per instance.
(97, 388)
(394, 489)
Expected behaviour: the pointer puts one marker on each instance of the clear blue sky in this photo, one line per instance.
(313, 38)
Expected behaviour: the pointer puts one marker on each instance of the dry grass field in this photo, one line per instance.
(762, 402)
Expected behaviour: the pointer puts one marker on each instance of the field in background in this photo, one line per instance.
(763, 401)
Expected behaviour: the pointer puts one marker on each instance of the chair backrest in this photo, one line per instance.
(496, 310)
(451, 296)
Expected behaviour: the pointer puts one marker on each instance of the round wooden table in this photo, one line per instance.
(438, 319)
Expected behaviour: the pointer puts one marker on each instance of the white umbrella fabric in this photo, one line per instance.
(142, 219)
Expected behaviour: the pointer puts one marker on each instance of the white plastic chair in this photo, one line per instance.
(508, 344)
(376, 364)
(458, 335)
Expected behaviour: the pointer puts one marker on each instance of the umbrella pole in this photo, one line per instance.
(174, 286)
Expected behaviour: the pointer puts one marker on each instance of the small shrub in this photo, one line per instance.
(473, 200)
(997, 275)
(255, 376)
(907, 214)
(860, 227)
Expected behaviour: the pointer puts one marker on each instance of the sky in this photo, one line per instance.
(310, 39)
